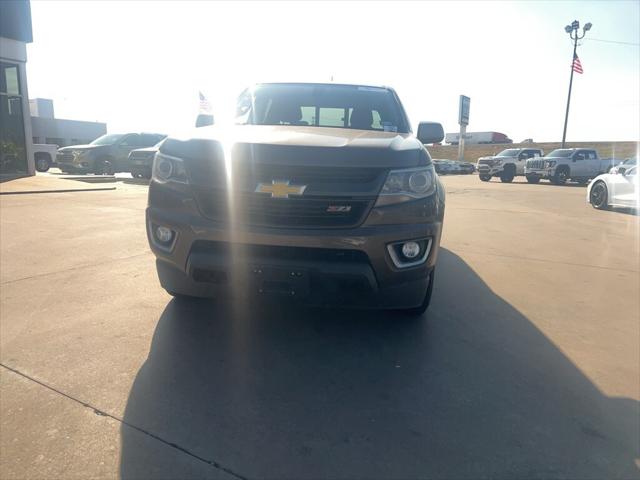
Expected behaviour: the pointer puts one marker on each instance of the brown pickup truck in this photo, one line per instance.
(320, 193)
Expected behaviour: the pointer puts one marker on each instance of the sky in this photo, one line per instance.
(138, 66)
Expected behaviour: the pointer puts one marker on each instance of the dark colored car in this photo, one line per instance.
(105, 155)
(140, 161)
(321, 193)
(467, 168)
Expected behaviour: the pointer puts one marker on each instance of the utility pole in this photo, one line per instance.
(572, 30)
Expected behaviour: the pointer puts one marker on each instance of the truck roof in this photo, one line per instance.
(327, 84)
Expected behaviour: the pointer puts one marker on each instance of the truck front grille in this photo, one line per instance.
(488, 162)
(66, 157)
(259, 209)
(535, 164)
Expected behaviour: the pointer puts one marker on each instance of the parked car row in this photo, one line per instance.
(450, 167)
(614, 183)
(559, 166)
(109, 154)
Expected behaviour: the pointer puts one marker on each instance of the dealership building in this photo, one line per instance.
(16, 148)
(45, 128)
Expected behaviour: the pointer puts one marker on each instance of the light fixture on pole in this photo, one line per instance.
(572, 30)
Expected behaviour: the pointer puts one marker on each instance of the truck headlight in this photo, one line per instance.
(407, 184)
(167, 168)
(551, 163)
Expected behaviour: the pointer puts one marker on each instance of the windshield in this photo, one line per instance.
(340, 106)
(107, 139)
(509, 152)
(561, 153)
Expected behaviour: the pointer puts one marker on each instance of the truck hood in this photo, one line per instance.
(495, 157)
(153, 149)
(300, 145)
(80, 147)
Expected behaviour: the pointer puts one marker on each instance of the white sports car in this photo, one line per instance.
(624, 166)
(615, 190)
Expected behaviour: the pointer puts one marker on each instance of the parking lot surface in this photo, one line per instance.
(525, 366)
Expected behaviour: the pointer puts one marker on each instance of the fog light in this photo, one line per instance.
(164, 234)
(411, 250)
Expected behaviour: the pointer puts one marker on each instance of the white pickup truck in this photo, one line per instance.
(564, 164)
(507, 164)
(44, 156)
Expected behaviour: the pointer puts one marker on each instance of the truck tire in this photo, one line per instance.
(43, 161)
(485, 177)
(598, 197)
(561, 176)
(533, 179)
(103, 167)
(418, 311)
(508, 174)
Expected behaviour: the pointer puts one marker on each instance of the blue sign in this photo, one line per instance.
(463, 114)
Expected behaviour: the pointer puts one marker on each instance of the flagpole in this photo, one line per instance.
(566, 115)
(570, 29)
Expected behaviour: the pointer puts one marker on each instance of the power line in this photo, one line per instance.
(614, 41)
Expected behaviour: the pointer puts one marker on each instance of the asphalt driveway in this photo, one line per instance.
(525, 366)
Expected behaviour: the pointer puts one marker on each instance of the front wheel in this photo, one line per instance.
(533, 179)
(103, 167)
(42, 164)
(507, 176)
(560, 177)
(485, 177)
(418, 311)
(598, 197)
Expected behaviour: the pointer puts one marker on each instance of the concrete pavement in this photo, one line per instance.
(525, 366)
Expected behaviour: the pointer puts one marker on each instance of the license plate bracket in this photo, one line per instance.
(280, 281)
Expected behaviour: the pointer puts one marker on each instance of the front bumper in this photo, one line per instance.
(76, 165)
(328, 266)
(484, 169)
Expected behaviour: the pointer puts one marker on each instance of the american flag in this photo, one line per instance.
(205, 106)
(577, 66)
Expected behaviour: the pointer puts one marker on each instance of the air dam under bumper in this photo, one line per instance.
(333, 267)
(540, 172)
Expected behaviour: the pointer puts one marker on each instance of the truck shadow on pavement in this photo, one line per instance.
(473, 390)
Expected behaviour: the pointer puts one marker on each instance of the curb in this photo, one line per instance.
(70, 190)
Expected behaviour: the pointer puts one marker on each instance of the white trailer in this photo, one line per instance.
(472, 138)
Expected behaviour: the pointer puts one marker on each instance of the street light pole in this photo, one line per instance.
(571, 30)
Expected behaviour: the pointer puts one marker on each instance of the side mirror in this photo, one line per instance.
(204, 120)
(430, 132)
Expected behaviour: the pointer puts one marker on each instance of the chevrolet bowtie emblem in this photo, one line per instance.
(280, 188)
